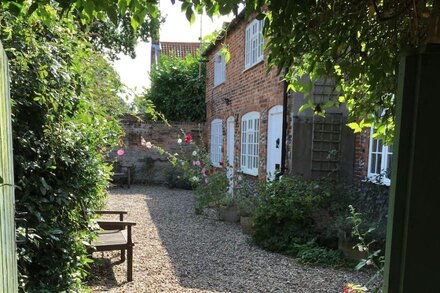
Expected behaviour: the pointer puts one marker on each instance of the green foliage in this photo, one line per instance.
(312, 254)
(375, 258)
(61, 135)
(175, 178)
(177, 89)
(113, 27)
(294, 211)
(138, 11)
(371, 200)
(304, 218)
(114, 38)
(213, 191)
(356, 43)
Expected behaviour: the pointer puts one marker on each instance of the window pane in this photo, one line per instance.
(373, 164)
(378, 164)
(374, 148)
(379, 146)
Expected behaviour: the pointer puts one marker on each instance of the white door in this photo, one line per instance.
(230, 129)
(274, 141)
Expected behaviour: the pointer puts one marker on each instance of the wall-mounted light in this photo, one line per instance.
(227, 101)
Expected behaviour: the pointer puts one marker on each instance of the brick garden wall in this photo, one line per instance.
(149, 166)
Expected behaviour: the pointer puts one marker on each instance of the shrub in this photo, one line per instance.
(175, 178)
(177, 89)
(312, 254)
(371, 200)
(61, 135)
(292, 211)
(212, 191)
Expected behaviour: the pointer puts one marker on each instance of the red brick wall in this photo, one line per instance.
(362, 142)
(247, 90)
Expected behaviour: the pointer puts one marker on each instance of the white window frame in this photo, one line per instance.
(379, 159)
(216, 142)
(250, 138)
(254, 43)
(219, 69)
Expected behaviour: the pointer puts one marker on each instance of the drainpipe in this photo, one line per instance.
(283, 134)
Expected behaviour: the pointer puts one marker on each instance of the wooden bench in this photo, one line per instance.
(122, 173)
(116, 235)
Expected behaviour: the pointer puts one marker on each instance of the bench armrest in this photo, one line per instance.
(114, 225)
(120, 213)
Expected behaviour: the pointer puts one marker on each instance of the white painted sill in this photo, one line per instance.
(252, 66)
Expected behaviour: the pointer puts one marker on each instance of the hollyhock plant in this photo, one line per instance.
(188, 138)
(120, 152)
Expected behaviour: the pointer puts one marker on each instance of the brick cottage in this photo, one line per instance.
(255, 127)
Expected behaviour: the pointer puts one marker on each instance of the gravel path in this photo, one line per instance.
(178, 251)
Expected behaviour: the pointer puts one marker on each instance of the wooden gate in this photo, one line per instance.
(8, 262)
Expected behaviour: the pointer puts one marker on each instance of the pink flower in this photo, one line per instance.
(120, 152)
(204, 172)
(188, 138)
(197, 163)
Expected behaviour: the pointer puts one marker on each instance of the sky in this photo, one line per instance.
(134, 72)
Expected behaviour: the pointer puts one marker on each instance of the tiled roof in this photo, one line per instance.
(178, 49)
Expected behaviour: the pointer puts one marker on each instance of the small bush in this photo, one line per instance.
(212, 191)
(293, 211)
(312, 254)
(175, 179)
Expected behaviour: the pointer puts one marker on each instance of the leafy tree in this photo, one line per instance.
(61, 135)
(178, 89)
(354, 42)
(101, 83)
(112, 26)
(113, 38)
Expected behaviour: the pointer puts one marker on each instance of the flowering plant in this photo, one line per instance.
(353, 288)
(194, 162)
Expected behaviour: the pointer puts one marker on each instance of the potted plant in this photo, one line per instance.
(228, 209)
(247, 207)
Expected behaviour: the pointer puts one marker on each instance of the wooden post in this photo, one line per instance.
(8, 254)
(413, 243)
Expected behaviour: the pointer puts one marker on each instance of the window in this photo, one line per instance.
(250, 125)
(254, 43)
(219, 69)
(216, 142)
(379, 161)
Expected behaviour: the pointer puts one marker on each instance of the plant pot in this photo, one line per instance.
(211, 213)
(246, 224)
(229, 214)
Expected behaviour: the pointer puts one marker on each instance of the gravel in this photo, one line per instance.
(178, 251)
